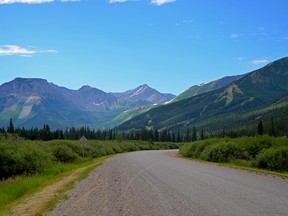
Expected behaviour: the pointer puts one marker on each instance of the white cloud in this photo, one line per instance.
(10, 50)
(34, 1)
(259, 61)
(161, 2)
(236, 35)
(117, 1)
(70, 0)
(25, 1)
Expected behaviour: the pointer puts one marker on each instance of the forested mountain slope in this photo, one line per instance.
(222, 108)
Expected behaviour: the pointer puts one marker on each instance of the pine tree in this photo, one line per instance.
(10, 129)
(194, 134)
(272, 128)
(260, 128)
(188, 135)
(178, 137)
(202, 136)
(156, 135)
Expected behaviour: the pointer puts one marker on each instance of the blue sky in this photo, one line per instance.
(116, 45)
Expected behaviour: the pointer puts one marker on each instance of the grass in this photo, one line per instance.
(15, 190)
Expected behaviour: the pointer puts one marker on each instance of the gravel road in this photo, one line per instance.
(158, 183)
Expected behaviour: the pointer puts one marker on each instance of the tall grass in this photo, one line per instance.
(16, 187)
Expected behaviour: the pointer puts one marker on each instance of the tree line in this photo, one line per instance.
(273, 127)
(73, 133)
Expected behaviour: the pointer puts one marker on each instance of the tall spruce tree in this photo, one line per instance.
(260, 128)
(194, 134)
(10, 129)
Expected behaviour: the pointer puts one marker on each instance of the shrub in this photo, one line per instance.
(22, 158)
(201, 146)
(8, 163)
(222, 152)
(256, 144)
(64, 153)
(186, 150)
(273, 159)
(33, 159)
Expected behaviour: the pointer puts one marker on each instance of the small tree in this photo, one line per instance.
(118, 137)
(194, 134)
(10, 129)
(202, 136)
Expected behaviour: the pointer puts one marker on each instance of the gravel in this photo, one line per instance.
(158, 183)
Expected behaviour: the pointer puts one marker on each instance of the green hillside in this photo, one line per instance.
(224, 108)
(206, 87)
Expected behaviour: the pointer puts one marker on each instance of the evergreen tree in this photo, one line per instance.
(188, 135)
(202, 136)
(156, 135)
(10, 129)
(178, 137)
(194, 134)
(272, 127)
(260, 128)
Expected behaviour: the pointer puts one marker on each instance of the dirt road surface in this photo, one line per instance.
(152, 183)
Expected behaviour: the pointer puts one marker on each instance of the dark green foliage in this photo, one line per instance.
(273, 159)
(260, 128)
(10, 129)
(194, 134)
(24, 157)
(65, 154)
(222, 152)
(262, 151)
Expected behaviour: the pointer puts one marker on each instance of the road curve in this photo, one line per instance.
(158, 183)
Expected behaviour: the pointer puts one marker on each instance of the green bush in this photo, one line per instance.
(273, 159)
(201, 146)
(253, 145)
(8, 162)
(33, 159)
(222, 152)
(195, 149)
(186, 150)
(22, 158)
(64, 153)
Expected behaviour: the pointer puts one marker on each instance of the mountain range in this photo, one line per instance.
(256, 94)
(32, 102)
(220, 104)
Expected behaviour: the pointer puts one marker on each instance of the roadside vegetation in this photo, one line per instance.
(263, 152)
(27, 165)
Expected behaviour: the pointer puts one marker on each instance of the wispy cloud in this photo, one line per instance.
(34, 1)
(260, 31)
(10, 50)
(117, 1)
(252, 60)
(236, 35)
(70, 0)
(25, 1)
(259, 61)
(161, 2)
